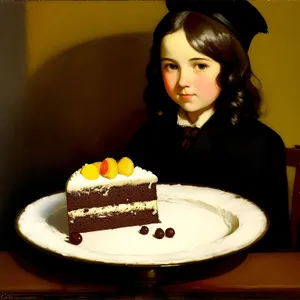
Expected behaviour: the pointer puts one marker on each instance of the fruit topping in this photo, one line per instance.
(75, 238)
(109, 168)
(125, 166)
(170, 232)
(144, 230)
(98, 165)
(90, 172)
(159, 233)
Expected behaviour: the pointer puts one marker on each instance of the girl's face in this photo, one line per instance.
(189, 76)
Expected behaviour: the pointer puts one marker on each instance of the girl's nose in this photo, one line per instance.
(184, 79)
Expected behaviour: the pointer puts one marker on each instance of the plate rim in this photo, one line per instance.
(141, 265)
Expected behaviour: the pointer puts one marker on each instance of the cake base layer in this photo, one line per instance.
(118, 220)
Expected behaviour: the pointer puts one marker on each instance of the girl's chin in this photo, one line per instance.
(189, 107)
(193, 110)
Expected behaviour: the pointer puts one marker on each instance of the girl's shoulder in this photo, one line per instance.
(257, 137)
(258, 131)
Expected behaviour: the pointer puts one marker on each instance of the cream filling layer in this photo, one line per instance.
(111, 209)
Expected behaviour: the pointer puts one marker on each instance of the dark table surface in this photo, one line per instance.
(27, 273)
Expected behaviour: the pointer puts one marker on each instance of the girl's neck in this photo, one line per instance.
(194, 119)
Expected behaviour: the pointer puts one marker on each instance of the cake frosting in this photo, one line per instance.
(78, 182)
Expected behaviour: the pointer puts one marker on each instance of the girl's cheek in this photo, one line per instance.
(207, 86)
(169, 82)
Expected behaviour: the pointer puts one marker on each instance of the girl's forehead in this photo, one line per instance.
(176, 46)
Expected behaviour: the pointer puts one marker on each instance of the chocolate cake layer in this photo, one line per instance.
(92, 223)
(115, 195)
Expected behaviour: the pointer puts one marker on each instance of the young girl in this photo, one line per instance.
(203, 110)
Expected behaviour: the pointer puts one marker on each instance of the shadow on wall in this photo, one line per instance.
(81, 106)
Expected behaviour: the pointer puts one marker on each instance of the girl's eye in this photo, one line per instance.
(201, 66)
(171, 67)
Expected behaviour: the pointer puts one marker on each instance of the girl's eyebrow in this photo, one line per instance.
(191, 59)
(199, 58)
(166, 58)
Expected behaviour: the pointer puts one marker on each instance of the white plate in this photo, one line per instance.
(208, 223)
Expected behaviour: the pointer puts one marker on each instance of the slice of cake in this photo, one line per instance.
(109, 195)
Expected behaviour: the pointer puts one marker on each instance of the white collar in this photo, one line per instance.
(183, 120)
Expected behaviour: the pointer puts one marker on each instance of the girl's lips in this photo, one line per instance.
(186, 96)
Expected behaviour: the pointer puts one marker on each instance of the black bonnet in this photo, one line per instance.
(239, 16)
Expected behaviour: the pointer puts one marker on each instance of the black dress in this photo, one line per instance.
(248, 160)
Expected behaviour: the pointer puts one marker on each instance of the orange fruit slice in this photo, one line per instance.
(125, 166)
(109, 168)
(90, 172)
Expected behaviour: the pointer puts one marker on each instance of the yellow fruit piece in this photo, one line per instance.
(125, 166)
(90, 172)
(98, 165)
(109, 168)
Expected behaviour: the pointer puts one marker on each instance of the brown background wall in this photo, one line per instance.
(12, 79)
(53, 27)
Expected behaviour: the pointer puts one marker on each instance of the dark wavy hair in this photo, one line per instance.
(239, 98)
